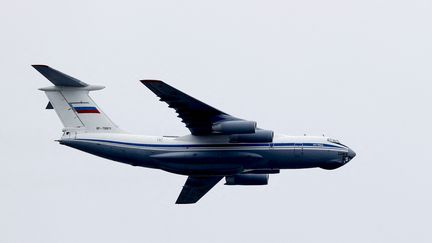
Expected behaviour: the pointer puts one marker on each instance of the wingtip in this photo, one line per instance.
(150, 81)
(183, 202)
(39, 65)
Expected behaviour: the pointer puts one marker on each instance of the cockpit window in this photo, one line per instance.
(332, 140)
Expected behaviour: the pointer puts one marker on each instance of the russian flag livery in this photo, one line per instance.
(86, 109)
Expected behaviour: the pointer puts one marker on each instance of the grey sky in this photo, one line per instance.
(359, 71)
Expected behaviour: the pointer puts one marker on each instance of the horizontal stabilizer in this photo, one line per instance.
(58, 78)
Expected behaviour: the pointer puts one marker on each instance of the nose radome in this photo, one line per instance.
(351, 153)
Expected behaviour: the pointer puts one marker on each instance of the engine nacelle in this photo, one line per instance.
(247, 179)
(235, 127)
(260, 136)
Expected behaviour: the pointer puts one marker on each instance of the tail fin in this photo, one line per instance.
(70, 99)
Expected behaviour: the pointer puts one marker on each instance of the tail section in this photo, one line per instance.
(70, 99)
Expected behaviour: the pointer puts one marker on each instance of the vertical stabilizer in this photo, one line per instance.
(71, 101)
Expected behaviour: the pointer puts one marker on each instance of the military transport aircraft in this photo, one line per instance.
(220, 145)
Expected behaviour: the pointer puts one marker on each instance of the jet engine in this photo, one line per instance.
(260, 136)
(247, 179)
(234, 127)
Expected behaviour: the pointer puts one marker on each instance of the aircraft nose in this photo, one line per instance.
(351, 154)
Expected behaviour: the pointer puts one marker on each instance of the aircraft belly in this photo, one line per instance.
(209, 162)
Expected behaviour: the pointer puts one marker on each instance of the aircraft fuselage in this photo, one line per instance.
(213, 155)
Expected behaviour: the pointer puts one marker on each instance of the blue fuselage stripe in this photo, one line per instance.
(225, 145)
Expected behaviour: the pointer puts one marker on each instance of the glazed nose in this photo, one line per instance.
(351, 153)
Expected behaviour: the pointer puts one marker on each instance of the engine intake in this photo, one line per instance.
(247, 179)
(235, 127)
(260, 136)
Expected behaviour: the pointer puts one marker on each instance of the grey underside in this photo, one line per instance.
(214, 161)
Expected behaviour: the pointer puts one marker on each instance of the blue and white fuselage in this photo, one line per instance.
(214, 155)
(220, 145)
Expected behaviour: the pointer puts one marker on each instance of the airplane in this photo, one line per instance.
(219, 145)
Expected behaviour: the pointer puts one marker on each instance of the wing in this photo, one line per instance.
(198, 116)
(196, 187)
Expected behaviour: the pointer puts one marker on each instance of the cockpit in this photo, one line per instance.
(332, 140)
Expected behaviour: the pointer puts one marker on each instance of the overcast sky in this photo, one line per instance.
(358, 71)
